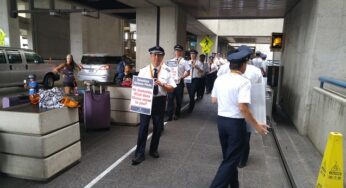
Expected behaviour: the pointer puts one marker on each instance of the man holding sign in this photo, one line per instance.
(163, 83)
(180, 69)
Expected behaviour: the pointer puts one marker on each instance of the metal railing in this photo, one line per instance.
(332, 81)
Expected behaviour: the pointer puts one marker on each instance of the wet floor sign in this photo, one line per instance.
(331, 173)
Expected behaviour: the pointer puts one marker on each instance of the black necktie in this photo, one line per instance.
(156, 87)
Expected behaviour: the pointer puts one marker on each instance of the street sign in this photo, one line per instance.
(206, 44)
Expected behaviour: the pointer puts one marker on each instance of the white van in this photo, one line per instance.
(16, 64)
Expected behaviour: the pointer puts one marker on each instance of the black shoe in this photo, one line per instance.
(154, 154)
(176, 117)
(241, 165)
(137, 160)
(169, 119)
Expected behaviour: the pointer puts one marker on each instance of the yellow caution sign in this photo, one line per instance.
(331, 173)
(206, 44)
(2, 37)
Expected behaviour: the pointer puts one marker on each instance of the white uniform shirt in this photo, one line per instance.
(212, 68)
(164, 77)
(254, 74)
(219, 61)
(194, 72)
(183, 66)
(224, 69)
(258, 62)
(230, 90)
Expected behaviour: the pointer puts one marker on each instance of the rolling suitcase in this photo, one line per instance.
(14, 100)
(97, 109)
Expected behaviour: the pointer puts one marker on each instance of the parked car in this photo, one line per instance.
(98, 67)
(16, 64)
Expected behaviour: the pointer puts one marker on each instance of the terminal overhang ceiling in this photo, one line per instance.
(231, 9)
(204, 9)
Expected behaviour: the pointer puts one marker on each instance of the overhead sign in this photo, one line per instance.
(206, 44)
(2, 37)
(142, 95)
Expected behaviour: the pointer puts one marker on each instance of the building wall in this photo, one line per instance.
(51, 35)
(328, 114)
(314, 46)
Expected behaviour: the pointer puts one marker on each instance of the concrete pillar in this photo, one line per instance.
(215, 38)
(9, 25)
(314, 46)
(77, 36)
(172, 31)
(89, 35)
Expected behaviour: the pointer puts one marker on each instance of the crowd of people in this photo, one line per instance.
(228, 80)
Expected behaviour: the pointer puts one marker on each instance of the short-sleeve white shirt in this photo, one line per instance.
(164, 77)
(224, 69)
(194, 72)
(230, 90)
(212, 68)
(254, 74)
(258, 62)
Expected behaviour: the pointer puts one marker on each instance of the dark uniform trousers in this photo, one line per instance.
(210, 81)
(192, 89)
(246, 150)
(178, 94)
(157, 114)
(232, 133)
(201, 88)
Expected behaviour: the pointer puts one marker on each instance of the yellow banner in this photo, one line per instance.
(331, 173)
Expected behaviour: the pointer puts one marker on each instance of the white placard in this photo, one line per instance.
(141, 95)
(173, 68)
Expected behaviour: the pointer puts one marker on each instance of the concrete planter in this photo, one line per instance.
(38, 143)
(29, 119)
(39, 168)
(39, 146)
(120, 103)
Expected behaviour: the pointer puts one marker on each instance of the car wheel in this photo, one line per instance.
(48, 81)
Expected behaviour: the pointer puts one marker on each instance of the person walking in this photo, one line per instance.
(196, 71)
(178, 93)
(232, 94)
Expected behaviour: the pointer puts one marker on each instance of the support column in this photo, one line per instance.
(172, 32)
(9, 25)
(89, 35)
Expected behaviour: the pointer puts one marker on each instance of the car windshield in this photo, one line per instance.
(97, 60)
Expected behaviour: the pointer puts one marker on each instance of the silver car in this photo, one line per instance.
(16, 64)
(98, 67)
